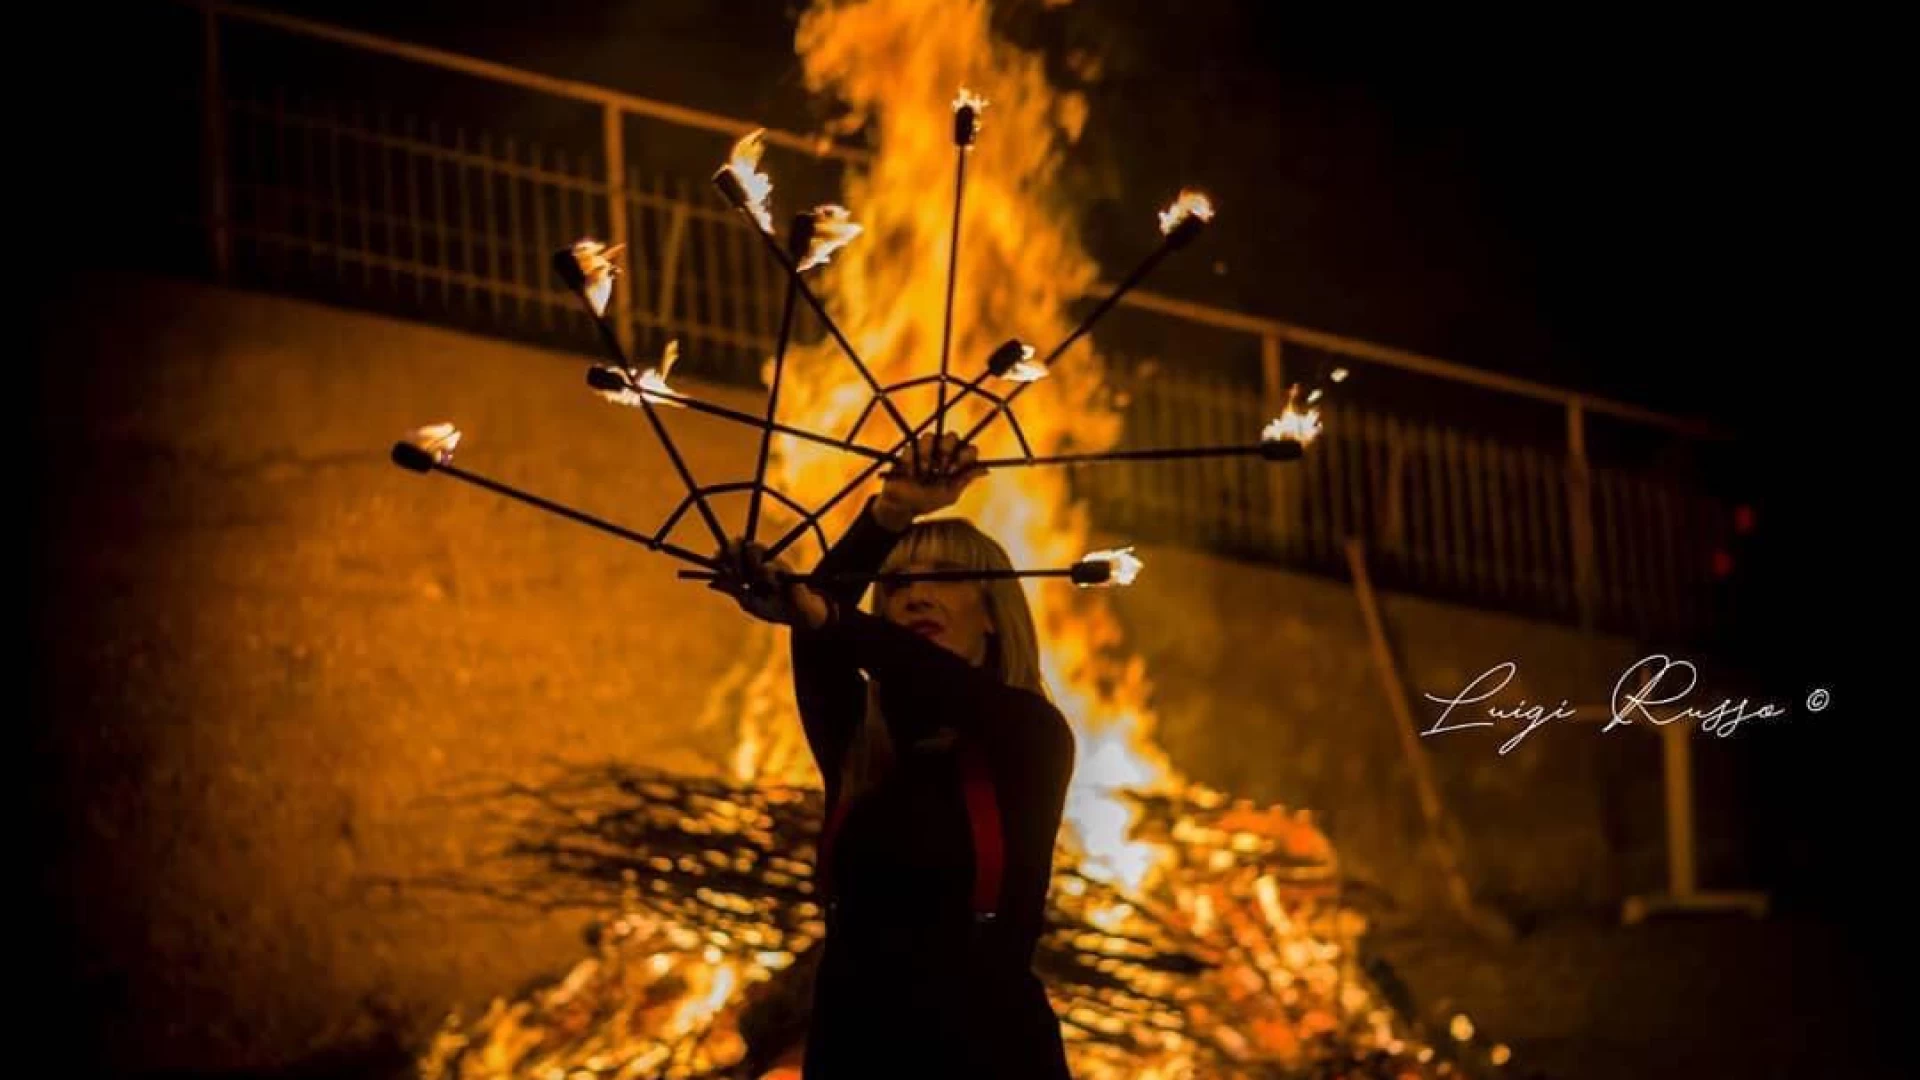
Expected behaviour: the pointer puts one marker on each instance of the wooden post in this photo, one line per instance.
(1440, 828)
(614, 145)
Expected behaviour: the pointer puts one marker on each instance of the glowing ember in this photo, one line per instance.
(1314, 396)
(754, 186)
(1339, 374)
(438, 440)
(1293, 425)
(833, 229)
(1190, 203)
(597, 270)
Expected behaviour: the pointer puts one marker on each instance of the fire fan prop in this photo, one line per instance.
(1231, 955)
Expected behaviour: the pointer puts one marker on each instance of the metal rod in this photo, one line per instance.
(612, 342)
(1176, 453)
(1140, 272)
(571, 514)
(750, 420)
(794, 534)
(773, 404)
(833, 329)
(902, 577)
(953, 270)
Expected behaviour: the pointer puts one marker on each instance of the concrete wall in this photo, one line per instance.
(263, 656)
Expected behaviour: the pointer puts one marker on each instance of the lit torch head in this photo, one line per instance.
(655, 379)
(425, 447)
(614, 385)
(588, 268)
(967, 107)
(742, 183)
(828, 229)
(1117, 567)
(1181, 221)
(1286, 437)
(1013, 361)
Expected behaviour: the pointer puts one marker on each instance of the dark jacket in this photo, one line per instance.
(910, 983)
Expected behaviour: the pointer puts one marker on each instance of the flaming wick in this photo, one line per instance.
(597, 270)
(967, 107)
(1292, 430)
(740, 180)
(832, 228)
(430, 449)
(586, 277)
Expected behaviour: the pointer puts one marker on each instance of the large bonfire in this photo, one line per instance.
(1192, 935)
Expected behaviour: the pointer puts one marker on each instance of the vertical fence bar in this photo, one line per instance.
(462, 167)
(1580, 514)
(543, 246)
(491, 276)
(613, 148)
(442, 262)
(716, 305)
(410, 155)
(638, 265)
(1280, 482)
(670, 254)
(363, 197)
(516, 241)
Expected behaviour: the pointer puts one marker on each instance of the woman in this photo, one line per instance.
(946, 775)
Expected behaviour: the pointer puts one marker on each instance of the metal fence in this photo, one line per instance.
(454, 224)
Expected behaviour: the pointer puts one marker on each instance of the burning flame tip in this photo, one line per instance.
(1189, 203)
(968, 99)
(1123, 565)
(597, 270)
(833, 229)
(440, 440)
(755, 186)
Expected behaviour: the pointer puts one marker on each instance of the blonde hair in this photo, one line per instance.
(1013, 646)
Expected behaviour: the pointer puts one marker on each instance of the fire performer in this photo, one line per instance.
(946, 772)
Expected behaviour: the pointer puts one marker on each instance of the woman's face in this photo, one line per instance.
(953, 614)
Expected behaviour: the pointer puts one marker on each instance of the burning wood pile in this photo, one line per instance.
(1238, 961)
